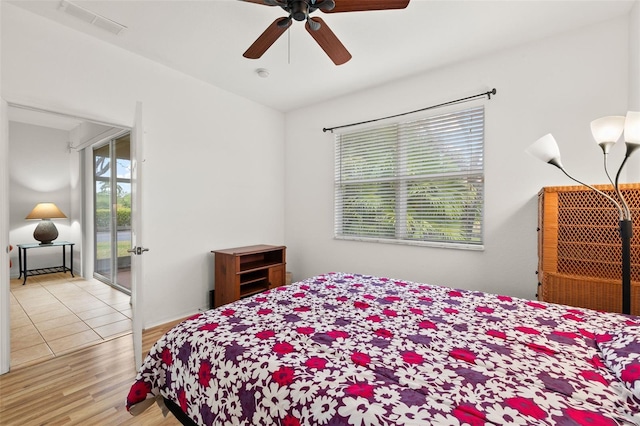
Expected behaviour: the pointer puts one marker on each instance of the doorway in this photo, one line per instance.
(112, 212)
(92, 131)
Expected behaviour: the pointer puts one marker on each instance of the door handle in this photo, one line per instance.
(137, 250)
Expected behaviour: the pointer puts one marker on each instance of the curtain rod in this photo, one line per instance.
(457, 101)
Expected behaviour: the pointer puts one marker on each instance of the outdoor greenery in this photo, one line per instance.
(123, 218)
(434, 210)
(104, 249)
(455, 210)
(103, 221)
(123, 208)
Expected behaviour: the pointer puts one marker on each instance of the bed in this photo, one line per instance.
(350, 349)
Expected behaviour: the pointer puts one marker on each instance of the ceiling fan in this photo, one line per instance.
(300, 10)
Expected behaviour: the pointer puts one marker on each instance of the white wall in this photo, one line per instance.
(555, 85)
(211, 181)
(634, 57)
(39, 171)
(633, 171)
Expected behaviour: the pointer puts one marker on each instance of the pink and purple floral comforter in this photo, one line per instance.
(341, 349)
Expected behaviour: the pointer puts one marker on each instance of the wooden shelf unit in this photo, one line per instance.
(580, 250)
(244, 271)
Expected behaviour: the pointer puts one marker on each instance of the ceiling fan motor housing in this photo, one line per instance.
(299, 10)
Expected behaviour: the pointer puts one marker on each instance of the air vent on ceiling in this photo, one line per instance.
(91, 17)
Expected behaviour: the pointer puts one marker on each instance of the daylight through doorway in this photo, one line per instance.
(112, 212)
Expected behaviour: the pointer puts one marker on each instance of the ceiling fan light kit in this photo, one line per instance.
(299, 10)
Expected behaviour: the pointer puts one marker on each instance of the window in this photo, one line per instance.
(418, 182)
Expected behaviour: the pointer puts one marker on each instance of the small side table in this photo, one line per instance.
(22, 259)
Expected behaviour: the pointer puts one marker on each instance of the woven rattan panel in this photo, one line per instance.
(588, 234)
(586, 292)
(580, 249)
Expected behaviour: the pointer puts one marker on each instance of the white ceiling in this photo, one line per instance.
(206, 39)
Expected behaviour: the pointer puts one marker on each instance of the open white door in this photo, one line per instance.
(137, 272)
(5, 327)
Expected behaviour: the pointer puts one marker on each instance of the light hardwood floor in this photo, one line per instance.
(87, 387)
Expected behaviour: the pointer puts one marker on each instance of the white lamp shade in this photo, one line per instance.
(632, 127)
(607, 129)
(545, 149)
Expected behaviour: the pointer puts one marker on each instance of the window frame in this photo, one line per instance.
(400, 235)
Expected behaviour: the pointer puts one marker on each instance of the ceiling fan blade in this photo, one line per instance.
(363, 5)
(267, 38)
(328, 41)
(262, 2)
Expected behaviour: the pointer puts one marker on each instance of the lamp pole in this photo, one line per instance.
(626, 229)
(626, 233)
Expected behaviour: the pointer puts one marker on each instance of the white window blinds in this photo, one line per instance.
(417, 181)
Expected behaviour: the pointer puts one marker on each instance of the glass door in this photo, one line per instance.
(112, 212)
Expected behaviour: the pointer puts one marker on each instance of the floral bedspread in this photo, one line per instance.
(348, 349)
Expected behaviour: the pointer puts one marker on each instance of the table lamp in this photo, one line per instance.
(46, 231)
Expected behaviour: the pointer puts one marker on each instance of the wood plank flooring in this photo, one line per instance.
(87, 387)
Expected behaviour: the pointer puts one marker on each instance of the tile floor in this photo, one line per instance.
(56, 314)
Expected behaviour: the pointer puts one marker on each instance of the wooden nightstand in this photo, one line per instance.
(245, 271)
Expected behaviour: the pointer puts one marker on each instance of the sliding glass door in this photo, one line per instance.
(112, 212)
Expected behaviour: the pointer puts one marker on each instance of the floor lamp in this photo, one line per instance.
(606, 131)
